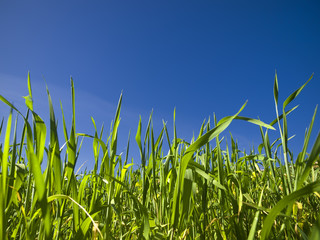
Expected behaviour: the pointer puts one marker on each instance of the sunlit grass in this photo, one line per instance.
(202, 189)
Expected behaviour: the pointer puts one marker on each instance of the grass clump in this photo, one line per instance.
(202, 189)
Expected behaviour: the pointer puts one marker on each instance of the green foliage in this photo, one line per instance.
(198, 190)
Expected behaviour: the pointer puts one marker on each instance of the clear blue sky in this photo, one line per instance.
(202, 57)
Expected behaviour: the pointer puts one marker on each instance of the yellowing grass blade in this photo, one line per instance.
(60, 196)
(284, 202)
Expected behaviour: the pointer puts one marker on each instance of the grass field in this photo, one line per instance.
(203, 189)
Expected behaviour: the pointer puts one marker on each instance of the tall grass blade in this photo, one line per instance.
(314, 156)
(222, 125)
(254, 225)
(4, 171)
(301, 156)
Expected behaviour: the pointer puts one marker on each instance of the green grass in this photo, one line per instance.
(202, 189)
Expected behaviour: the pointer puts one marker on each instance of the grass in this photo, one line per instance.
(202, 189)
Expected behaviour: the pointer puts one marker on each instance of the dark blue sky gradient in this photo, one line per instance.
(202, 57)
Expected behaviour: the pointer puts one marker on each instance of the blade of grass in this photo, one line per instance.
(314, 156)
(254, 225)
(4, 170)
(61, 196)
(222, 125)
(302, 155)
(284, 202)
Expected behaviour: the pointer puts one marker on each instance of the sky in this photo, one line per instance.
(200, 57)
